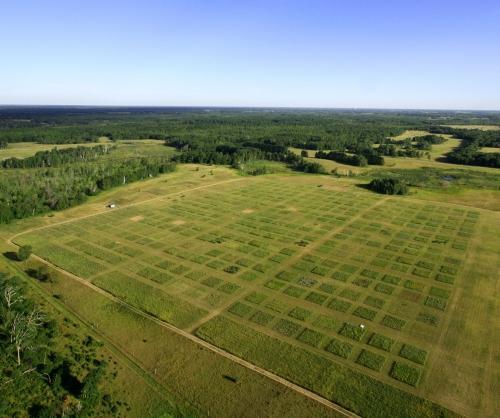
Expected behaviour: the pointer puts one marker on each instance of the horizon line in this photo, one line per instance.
(94, 106)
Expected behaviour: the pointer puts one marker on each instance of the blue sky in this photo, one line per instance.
(311, 53)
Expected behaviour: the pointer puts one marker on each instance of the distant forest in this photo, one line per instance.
(61, 178)
(204, 129)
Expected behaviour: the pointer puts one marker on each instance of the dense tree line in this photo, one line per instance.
(35, 378)
(343, 158)
(472, 140)
(27, 193)
(57, 157)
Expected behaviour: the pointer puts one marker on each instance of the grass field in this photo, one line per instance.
(481, 127)
(292, 264)
(145, 147)
(27, 149)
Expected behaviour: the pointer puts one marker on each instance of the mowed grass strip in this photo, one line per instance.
(353, 390)
(149, 299)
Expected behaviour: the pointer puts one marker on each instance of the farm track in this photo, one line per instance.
(299, 389)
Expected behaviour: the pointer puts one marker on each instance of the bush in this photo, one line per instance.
(388, 186)
(405, 373)
(24, 252)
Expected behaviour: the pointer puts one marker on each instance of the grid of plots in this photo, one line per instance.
(353, 276)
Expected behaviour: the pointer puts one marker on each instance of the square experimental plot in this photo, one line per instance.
(359, 278)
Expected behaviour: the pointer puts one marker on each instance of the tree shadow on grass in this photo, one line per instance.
(11, 255)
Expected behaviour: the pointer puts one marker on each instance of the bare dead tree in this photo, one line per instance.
(11, 296)
(23, 328)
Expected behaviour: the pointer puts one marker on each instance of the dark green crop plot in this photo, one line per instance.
(354, 332)
(413, 353)
(405, 373)
(286, 327)
(381, 341)
(371, 360)
(339, 348)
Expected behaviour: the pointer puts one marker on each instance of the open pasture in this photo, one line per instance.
(348, 280)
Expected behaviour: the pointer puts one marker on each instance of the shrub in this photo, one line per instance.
(339, 348)
(413, 353)
(381, 341)
(405, 373)
(371, 360)
(388, 186)
(24, 252)
(354, 332)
